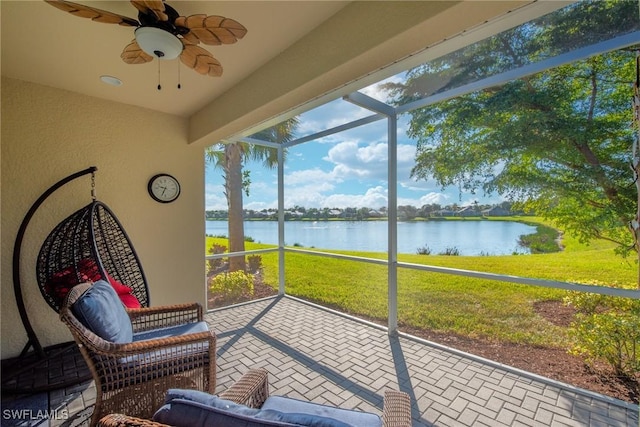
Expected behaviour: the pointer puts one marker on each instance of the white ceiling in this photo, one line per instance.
(45, 45)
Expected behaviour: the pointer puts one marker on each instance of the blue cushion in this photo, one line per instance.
(306, 420)
(187, 413)
(171, 331)
(155, 361)
(208, 400)
(192, 408)
(101, 311)
(293, 406)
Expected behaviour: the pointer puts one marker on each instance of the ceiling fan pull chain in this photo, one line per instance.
(159, 86)
(179, 85)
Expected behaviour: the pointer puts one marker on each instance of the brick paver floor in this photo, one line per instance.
(322, 356)
(318, 355)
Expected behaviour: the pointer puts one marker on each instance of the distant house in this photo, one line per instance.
(444, 212)
(289, 214)
(468, 211)
(374, 213)
(496, 211)
(260, 214)
(335, 213)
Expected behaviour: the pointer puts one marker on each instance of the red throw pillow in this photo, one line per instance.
(89, 268)
(125, 293)
(60, 283)
(129, 300)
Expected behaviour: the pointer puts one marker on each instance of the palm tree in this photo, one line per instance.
(230, 157)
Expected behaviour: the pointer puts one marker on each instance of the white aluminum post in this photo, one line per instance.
(372, 104)
(392, 212)
(281, 220)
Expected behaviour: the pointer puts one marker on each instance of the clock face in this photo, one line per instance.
(164, 188)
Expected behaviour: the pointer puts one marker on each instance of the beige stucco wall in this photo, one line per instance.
(48, 134)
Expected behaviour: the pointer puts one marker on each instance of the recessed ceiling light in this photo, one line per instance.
(110, 80)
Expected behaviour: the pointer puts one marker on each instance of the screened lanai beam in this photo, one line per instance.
(498, 79)
(256, 141)
(341, 128)
(526, 70)
(553, 284)
(371, 104)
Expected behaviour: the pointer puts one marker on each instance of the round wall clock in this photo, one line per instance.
(163, 188)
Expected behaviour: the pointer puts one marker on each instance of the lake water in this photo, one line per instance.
(468, 237)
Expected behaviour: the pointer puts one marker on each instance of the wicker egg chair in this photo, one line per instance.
(90, 245)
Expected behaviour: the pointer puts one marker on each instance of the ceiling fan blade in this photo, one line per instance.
(200, 60)
(92, 13)
(154, 6)
(133, 54)
(211, 30)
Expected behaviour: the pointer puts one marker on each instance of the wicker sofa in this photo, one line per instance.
(252, 391)
(136, 355)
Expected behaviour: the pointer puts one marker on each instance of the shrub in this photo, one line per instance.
(425, 250)
(543, 241)
(606, 328)
(451, 251)
(215, 264)
(255, 263)
(232, 285)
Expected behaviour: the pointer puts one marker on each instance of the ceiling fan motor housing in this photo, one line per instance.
(158, 42)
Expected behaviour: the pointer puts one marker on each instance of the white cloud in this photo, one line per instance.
(307, 176)
(355, 161)
(374, 198)
(330, 115)
(214, 199)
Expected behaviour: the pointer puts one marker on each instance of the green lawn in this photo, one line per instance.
(447, 303)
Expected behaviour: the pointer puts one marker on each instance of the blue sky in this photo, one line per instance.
(348, 169)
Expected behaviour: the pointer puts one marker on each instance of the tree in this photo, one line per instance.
(407, 212)
(230, 157)
(557, 143)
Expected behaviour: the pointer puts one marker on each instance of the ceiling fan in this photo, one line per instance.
(162, 33)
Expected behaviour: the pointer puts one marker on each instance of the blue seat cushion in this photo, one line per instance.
(192, 408)
(187, 413)
(204, 398)
(101, 311)
(300, 419)
(157, 359)
(171, 331)
(140, 367)
(294, 406)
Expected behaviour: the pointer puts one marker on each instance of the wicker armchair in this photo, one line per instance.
(252, 390)
(133, 377)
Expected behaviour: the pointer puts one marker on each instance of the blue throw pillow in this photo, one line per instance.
(101, 311)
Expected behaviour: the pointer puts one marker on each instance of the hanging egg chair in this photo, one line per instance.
(90, 245)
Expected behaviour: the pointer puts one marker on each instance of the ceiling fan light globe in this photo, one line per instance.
(158, 43)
